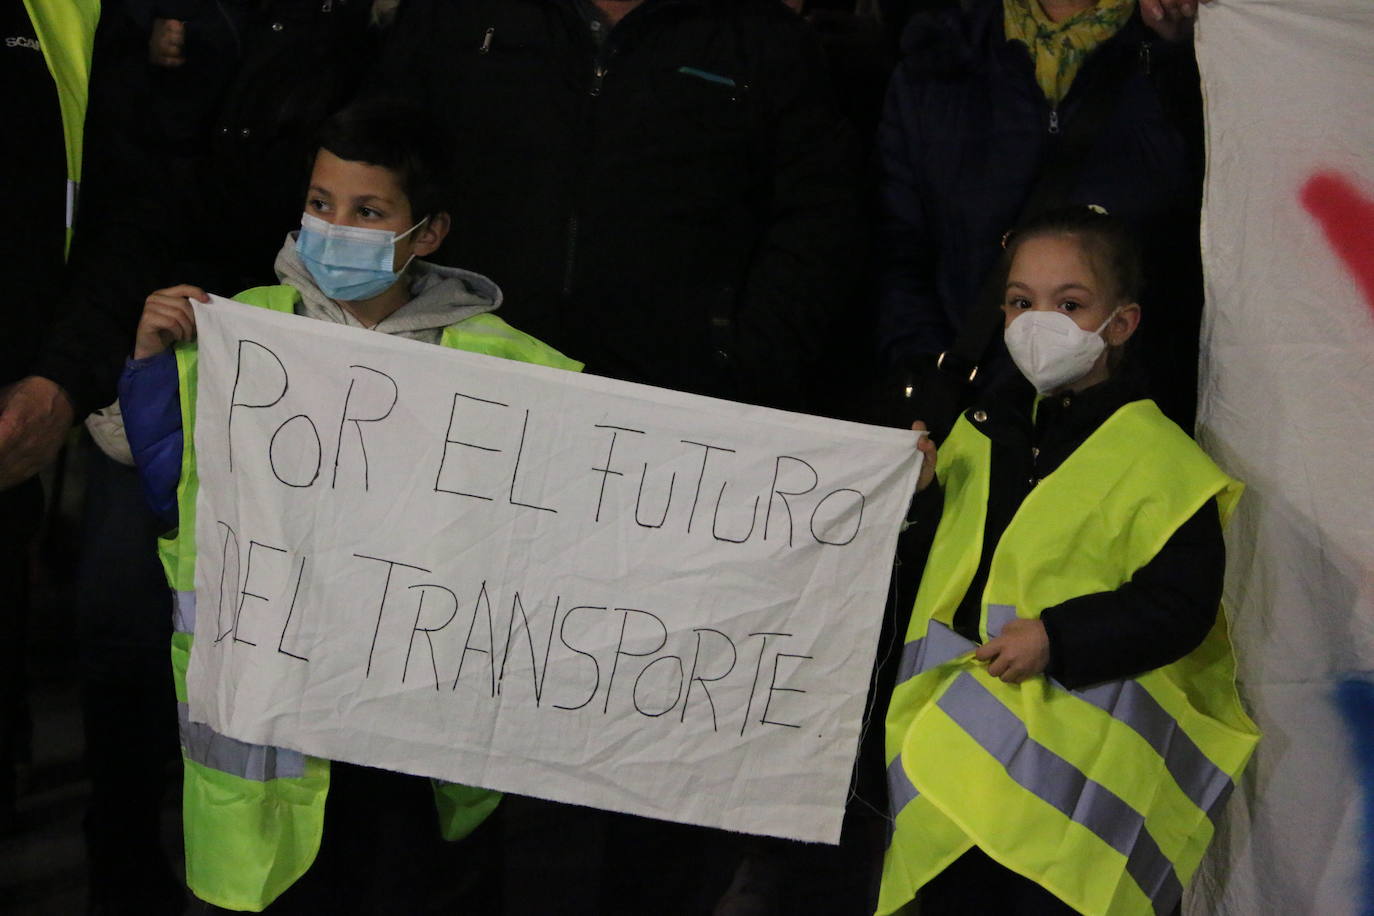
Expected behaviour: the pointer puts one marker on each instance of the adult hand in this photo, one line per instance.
(1020, 651)
(927, 449)
(1171, 20)
(35, 414)
(167, 319)
(167, 43)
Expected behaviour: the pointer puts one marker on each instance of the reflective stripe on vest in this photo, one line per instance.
(184, 612)
(900, 791)
(942, 644)
(1054, 780)
(1206, 784)
(257, 762)
(208, 747)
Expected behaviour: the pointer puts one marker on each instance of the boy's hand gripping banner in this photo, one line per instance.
(536, 581)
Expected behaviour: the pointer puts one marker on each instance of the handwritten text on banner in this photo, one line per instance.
(533, 580)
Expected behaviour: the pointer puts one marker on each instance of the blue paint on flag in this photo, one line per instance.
(1355, 700)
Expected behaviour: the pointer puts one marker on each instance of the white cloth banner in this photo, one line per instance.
(536, 581)
(1288, 367)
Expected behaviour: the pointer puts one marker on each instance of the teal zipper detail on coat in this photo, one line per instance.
(705, 75)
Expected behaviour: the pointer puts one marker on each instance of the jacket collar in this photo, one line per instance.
(1011, 412)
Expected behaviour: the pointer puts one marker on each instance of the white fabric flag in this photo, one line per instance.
(536, 581)
(1288, 367)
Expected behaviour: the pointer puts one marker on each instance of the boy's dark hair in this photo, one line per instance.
(1110, 245)
(399, 135)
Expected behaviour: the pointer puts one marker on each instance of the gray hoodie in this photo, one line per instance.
(441, 296)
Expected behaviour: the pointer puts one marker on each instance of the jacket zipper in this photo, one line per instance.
(1054, 120)
(570, 255)
(599, 69)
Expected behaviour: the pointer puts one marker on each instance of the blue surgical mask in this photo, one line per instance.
(350, 262)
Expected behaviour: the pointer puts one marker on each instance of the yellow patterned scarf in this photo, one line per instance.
(1059, 48)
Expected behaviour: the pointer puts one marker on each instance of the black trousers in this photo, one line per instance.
(567, 860)
(974, 884)
(128, 702)
(21, 511)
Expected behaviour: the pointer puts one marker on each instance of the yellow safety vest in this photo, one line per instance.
(66, 32)
(253, 815)
(1107, 796)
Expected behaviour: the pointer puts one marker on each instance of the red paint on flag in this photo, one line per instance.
(1347, 218)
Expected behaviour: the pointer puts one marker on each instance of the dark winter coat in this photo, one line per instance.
(239, 120)
(964, 134)
(78, 323)
(192, 174)
(674, 205)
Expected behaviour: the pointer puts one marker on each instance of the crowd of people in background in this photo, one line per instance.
(797, 205)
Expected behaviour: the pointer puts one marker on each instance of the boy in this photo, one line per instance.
(254, 816)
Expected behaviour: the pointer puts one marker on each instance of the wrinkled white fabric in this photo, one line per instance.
(1286, 375)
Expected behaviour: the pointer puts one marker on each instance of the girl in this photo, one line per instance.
(1065, 727)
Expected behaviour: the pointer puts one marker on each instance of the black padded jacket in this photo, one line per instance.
(674, 204)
